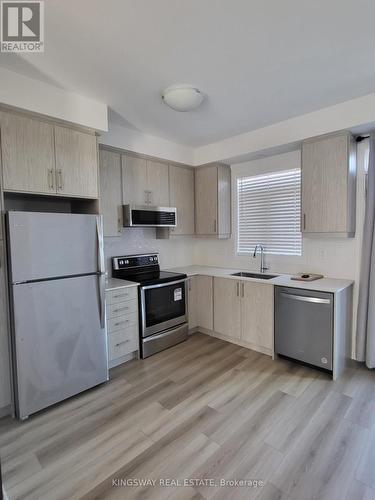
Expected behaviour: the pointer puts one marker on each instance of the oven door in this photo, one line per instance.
(163, 306)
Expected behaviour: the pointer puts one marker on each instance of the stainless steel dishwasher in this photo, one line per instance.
(304, 326)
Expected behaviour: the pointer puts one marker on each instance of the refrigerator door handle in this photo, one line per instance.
(101, 286)
(101, 269)
(99, 232)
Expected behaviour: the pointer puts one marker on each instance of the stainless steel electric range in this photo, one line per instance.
(162, 301)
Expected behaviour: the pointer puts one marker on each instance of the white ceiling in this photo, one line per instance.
(259, 62)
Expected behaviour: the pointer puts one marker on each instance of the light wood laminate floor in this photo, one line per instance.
(203, 410)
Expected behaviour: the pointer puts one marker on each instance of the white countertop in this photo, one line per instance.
(114, 283)
(322, 285)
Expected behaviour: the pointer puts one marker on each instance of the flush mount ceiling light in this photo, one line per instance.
(182, 97)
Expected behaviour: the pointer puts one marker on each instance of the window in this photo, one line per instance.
(269, 210)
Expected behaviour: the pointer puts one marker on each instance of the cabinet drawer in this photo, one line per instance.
(122, 343)
(121, 294)
(122, 322)
(122, 308)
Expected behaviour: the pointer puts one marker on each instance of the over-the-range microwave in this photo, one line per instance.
(147, 216)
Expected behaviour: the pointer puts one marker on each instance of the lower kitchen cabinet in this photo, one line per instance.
(200, 302)
(257, 314)
(122, 324)
(227, 307)
(243, 311)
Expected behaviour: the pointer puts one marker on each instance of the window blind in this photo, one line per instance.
(269, 211)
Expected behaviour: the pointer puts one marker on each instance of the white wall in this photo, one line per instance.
(333, 257)
(133, 140)
(357, 114)
(173, 252)
(39, 97)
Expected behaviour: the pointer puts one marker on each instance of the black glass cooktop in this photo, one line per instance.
(149, 278)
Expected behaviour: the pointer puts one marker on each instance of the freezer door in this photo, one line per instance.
(45, 245)
(59, 344)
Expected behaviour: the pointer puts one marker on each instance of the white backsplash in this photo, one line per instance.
(173, 252)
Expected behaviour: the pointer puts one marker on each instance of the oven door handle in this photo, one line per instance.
(168, 283)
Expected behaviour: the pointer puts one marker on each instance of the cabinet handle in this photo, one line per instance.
(242, 290)
(120, 296)
(120, 309)
(121, 322)
(50, 180)
(238, 289)
(148, 197)
(215, 226)
(123, 342)
(60, 181)
(304, 221)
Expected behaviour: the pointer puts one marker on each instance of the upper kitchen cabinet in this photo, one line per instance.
(110, 191)
(76, 163)
(145, 182)
(213, 201)
(181, 190)
(329, 185)
(134, 180)
(158, 183)
(41, 158)
(28, 154)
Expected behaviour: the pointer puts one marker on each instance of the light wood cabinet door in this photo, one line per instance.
(227, 307)
(27, 154)
(181, 190)
(158, 183)
(5, 395)
(326, 181)
(206, 201)
(76, 163)
(110, 192)
(134, 180)
(204, 301)
(257, 314)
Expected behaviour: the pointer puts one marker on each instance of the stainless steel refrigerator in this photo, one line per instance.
(56, 273)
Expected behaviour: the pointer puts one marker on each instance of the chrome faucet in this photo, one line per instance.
(263, 267)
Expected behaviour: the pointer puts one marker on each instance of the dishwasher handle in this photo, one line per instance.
(303, 298)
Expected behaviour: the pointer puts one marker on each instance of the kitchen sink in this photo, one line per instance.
(261, 276)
